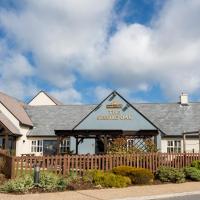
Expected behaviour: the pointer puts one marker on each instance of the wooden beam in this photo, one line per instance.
(6, 140)
(105, 144)
(184, 143)
(77, 143)
(58, 145)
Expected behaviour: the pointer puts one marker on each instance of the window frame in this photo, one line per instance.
(37, 146)
(174, 146)
(64, 146)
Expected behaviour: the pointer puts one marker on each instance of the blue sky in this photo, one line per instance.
(147, 50)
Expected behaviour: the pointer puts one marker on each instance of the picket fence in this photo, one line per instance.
(67, 164)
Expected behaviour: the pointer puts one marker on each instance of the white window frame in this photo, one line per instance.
(130, 143)
(37, 146)
(173, 146)
(65, 145)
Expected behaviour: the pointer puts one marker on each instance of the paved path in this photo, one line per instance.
(136, 192)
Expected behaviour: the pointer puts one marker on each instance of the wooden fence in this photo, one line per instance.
(7, 164)
(66, 164)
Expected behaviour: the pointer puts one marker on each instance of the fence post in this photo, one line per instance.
(185, 159)
(12, 170)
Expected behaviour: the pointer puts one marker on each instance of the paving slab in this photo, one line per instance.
(109, 194)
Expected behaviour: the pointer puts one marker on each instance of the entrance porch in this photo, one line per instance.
(104, 138)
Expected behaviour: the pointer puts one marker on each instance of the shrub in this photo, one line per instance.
(19, 185)
(196, 164)
(137, 175)
(192, 173)
(122, 170)
(168, 174)
(50, 181)
(106, 179)
(141, 176)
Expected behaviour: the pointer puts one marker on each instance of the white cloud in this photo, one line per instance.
(67, 96)
(14, 73)
(101, 92)
(59, 33)
(167, 53)
(67, 37)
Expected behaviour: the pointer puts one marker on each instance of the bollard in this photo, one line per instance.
(37, 174)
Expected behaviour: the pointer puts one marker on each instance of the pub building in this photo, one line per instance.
(45, 126)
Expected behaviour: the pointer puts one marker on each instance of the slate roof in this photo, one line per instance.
(46, 119)
(172, 118)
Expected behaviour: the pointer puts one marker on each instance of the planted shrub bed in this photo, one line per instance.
(119, 177)
(169, 174)
(137, 175)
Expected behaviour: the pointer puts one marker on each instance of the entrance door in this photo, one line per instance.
(49, 147)
(99, 147)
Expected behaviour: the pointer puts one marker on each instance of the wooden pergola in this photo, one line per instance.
(103, 135)
(192, 133)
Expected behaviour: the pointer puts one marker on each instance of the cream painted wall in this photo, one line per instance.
(22, 143)
(41, 99)
(191, 144)
(21, 147)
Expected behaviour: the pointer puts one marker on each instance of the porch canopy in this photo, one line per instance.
(113, 117)
(7, 128)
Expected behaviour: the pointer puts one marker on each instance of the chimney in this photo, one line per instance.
(184, 99)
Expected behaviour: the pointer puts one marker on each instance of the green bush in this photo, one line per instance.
(168, 174)
(106, 179)
(196, 164)
(192, 173)
(141, 176)
(137, 175)
(50, 181)
(122, 170)
(19, 185)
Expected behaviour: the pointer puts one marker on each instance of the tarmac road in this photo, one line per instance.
(186, 197)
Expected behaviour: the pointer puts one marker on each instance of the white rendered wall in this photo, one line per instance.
(42, 99)
(191, 144)
(22, 143)
(21, 147)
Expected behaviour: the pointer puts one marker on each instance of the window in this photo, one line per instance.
(65, 146)
(37, 146)
(173, 146)
(130, 143)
